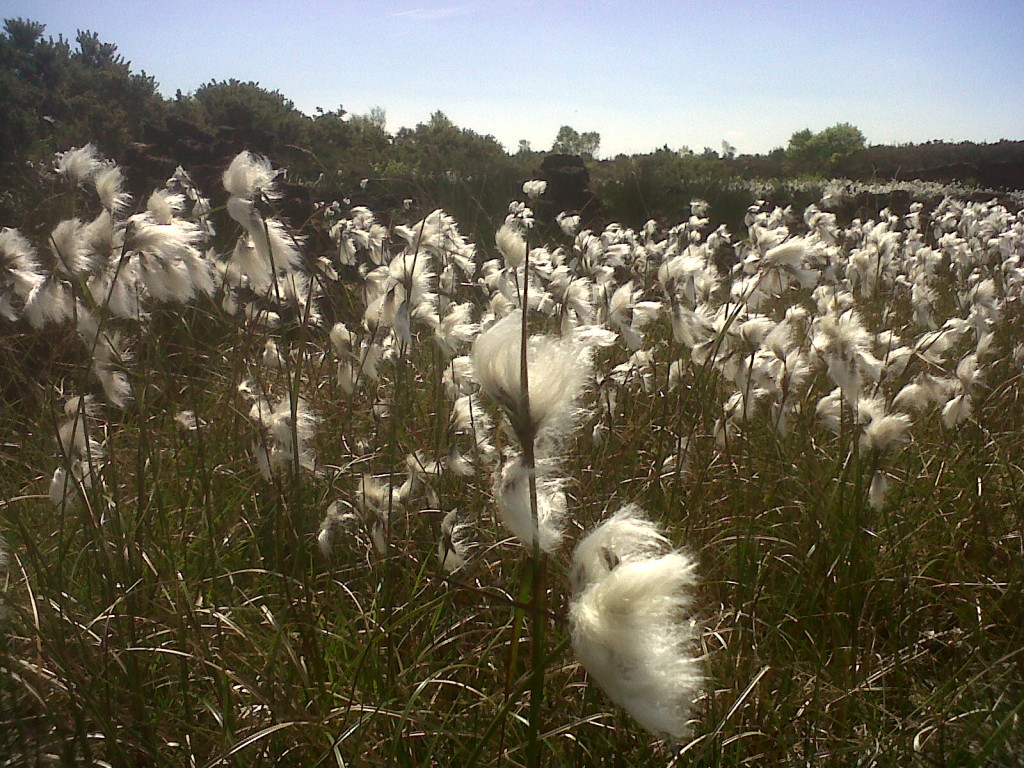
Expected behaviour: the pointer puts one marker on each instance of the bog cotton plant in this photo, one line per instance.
(112, 266)
(81, 453)
(557, 369)
(286, 429)
(876, 332)
(267, 257)
(540, 416)
(630, 622)
(20, 273)
(531, 514)
(452, 546)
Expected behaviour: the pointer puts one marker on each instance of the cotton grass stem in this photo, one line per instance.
(538, 570)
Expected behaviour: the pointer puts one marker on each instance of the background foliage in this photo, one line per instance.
(56, 94)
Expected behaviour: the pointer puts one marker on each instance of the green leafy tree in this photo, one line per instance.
(468, 174)
(347, 149)
(54, 96)
(440, 147)
(568, 141)
(661, 184)
(29, 68)
(820, 152)
(378, 117)
(261, 120)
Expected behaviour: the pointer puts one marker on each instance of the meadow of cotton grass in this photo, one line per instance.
(270, 506)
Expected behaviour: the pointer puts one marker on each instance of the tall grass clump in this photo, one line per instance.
(390, 498)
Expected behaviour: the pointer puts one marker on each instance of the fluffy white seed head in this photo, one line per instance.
(879, 488)
(512, 245)
(631, 628)
(456, 328)
(248, 174)
(790, 253)
(67, 243)
(534, 188)
(342, 339)
(80, 164)
(569, 224)
(338, 522)
(451, 549)
(109, 186)
(558, 370)
(625, 537)
(957, 410)
(20, 273)
(164, 205)
(885, 432)
(512, 496)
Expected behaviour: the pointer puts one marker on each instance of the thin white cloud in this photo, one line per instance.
(432, 14)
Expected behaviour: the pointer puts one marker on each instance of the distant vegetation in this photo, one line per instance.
(57, 94)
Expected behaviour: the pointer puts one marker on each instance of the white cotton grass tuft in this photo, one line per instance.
(512, 497)
(337, 523)
(377, 499)
(170, 264)
(960, 406)
(630, 623)
(187, 421)
(81, 453)
(342, 339)
(885, 431)
(534, 188)
(841, 340)
(109, 183)
(628, 315)
(109, 358)
(287, 433)
(451, 549)
(558, 370)
(512, 245)
(76, 442)
(20, 272)
(267, 258)
(50, 301)
(67, 243)
(570, 224)
(470, 420)
(80, 164)
(957, 410)
(273, 360)
(249, 175)
(164, 206)
(76, 435)
(625, 536)
(456, 327)
(922, 393)
(878, 490)
(69, 482)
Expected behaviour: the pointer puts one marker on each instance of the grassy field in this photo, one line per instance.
(237, 550)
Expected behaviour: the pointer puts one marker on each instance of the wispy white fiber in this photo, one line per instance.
(558, 370)
(630, 622)
(512, 496)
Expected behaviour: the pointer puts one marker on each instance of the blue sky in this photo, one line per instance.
(642, 74)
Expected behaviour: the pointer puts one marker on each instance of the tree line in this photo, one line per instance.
(55, 94)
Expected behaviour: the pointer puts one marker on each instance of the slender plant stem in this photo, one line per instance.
(538, 585)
